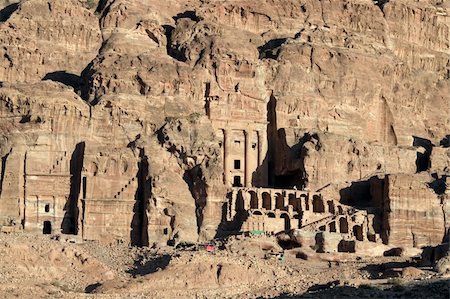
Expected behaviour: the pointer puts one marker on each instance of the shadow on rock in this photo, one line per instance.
(379, 270)
(144, 265)
(92, 287)
(436, 290)
(65, 78)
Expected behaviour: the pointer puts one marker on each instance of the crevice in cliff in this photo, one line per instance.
(142, 86)
(139, 224)
(69, 224)
(197, 186)
(6, 12)
(271, 137)
(439, 186)
(2, 176)
(380, 4)
(101, 7)
(86, 83)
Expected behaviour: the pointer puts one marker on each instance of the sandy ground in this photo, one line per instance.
(35, 266)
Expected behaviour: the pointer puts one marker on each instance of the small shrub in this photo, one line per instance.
(91, 4)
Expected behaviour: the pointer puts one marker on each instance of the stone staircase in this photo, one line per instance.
(117, 195)
(56, 167)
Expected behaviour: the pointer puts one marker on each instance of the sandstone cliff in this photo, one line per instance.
(153, 101)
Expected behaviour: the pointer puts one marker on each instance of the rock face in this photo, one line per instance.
(158, 108)
(415, 217)
(51, 40)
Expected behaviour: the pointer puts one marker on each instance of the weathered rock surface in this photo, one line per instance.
(161, 106)
(416, 218)
(47, 40)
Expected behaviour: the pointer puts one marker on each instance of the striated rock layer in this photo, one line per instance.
(157, 108)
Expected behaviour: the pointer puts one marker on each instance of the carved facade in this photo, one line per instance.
(241, 127)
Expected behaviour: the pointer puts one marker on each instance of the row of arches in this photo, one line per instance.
(344, 228)
(271, 215)
(279, 200)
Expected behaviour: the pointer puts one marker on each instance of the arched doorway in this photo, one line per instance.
(294, 202)
(357, 232)
(257, 213)
(279, 201)
(267, 201)
(318, 206)
(331, 208)
(332, 227)
(287, 221)
(343, 225)
(253, 200)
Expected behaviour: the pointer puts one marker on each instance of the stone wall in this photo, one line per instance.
(413, 213)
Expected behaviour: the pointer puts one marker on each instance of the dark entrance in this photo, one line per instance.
(47, 228)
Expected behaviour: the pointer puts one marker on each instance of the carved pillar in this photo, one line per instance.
(260, 199)
(226, 148)
(260, 155)
(272, 200)
(285, 198)
(262, 161)
(234, 199)
(247, 169)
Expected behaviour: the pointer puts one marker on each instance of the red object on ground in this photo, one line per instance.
(210, 248)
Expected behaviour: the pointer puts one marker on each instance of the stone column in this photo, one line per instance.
(260, 155)
(232, 204)
(260, 198)
(247, 168)
(262, 161)
(226, 148)
(285, 198)
(272, 201)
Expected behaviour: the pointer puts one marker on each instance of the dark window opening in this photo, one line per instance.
(237, 181)
(253, 200)
(47, 228)
(287, 221)
(166, 231)
(343, 226)
(267, 201)
(237, 164)
(318, 206)
(253, 145)
(237, 142)
(332, 227)
(47, 208)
